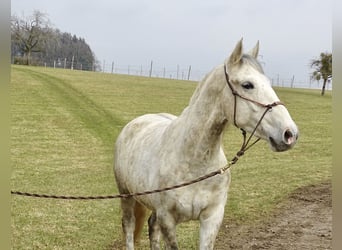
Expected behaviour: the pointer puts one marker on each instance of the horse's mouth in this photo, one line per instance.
(279, 147)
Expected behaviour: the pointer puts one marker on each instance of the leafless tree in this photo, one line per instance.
(30, 34)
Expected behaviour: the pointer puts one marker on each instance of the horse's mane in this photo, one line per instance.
(198, 89)
(248, 59)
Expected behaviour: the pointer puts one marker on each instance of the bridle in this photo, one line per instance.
(267, 107)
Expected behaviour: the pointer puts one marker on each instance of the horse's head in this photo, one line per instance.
(252, 94)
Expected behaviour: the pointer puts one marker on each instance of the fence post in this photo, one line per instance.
(292, 81)
(151, 68)
(189, 72)
(310, 82)
(72, 63)
(177, 71)
(278, 80)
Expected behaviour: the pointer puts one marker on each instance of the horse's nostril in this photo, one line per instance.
(288, 137)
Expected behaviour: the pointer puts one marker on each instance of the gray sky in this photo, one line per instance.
(195, 32)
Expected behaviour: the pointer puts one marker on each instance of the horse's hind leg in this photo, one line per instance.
(154, 232)
(128, 221)
(139, 214)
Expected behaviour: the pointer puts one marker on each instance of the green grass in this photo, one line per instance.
(63, 128)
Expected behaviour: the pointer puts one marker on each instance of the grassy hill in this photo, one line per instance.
(63, 128)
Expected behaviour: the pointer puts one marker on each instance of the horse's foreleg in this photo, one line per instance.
(154, 232)
(167, 226)
(128, 221)
(210, 225)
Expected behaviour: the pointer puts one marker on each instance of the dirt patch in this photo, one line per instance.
(304, 221)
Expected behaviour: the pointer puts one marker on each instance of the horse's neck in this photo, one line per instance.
(201, 124)
(203, 135)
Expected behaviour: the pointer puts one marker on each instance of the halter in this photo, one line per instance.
(267, 107)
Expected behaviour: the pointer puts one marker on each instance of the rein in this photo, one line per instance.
(243, 149)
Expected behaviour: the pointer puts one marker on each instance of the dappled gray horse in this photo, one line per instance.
(160, 150)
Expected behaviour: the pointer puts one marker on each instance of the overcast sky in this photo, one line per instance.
(200, 33)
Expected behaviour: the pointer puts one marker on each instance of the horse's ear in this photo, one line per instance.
(236, 55)
(255, 51)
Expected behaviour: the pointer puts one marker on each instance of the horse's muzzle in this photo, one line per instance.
(288, 140)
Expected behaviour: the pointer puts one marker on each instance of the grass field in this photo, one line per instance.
(63, 128)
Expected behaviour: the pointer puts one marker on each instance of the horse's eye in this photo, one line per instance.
(247, 85)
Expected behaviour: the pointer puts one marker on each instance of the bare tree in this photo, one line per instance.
(35, 42)
(322, 69)
(30, 34)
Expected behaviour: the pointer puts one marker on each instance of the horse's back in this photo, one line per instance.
(140, 126)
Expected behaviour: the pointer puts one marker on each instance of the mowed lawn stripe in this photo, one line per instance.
(96, 118)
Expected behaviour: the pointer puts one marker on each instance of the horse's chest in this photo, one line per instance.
(190, 203)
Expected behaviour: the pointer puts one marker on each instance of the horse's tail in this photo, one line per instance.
(139, 214)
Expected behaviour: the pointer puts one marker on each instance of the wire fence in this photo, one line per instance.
(178, 72)
(152, 69)
(277, 81)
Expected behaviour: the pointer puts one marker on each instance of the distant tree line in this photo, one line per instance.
(35, 42)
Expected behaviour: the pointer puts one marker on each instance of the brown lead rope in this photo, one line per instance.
(204, 177)
(241, 152)
(222, 170)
